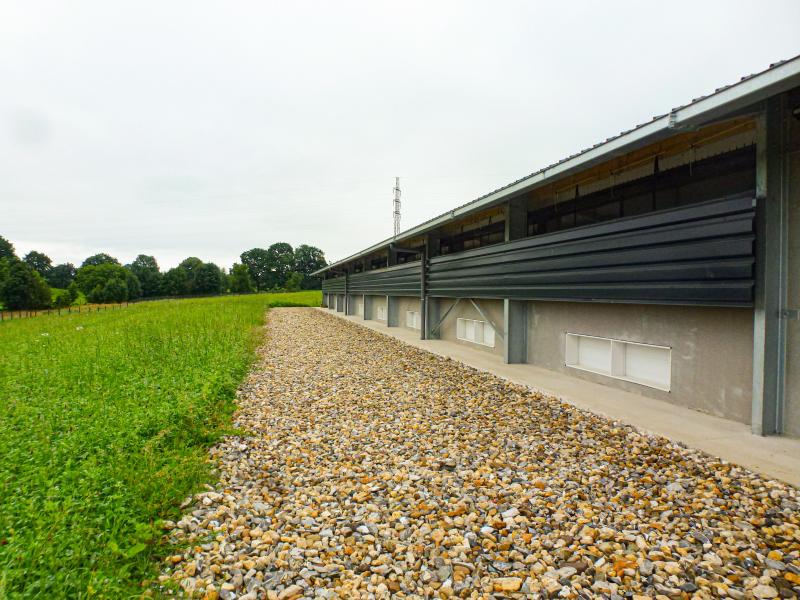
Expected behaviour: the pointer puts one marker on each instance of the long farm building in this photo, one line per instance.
(663, 261)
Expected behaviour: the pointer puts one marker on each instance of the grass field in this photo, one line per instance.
(104, 423)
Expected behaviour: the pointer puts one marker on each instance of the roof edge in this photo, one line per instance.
(778, 78)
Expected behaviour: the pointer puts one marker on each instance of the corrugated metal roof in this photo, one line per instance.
(748, 89)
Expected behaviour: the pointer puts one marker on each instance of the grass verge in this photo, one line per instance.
(105, 419)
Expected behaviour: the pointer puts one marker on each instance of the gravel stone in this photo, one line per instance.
(370, 469)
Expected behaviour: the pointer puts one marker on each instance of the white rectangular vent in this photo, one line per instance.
(381, 316)
(477, 332)
(645, 364)
(412, 319)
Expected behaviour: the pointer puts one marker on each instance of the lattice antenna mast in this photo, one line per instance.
(396, 207)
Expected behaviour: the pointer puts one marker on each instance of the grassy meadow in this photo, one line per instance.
(105, 419)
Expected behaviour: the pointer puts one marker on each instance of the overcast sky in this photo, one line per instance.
(207, 128)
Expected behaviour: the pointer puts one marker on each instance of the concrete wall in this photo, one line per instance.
(406, 303)
(792, 394)
(465, 310)
(712, 348)
(377, 301)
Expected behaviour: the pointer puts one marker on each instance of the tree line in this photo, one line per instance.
(27, 283)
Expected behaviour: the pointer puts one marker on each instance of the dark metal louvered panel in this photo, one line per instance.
(699, 254)
(399, 280)
(335, 285)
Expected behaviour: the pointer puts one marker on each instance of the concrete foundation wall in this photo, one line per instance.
(406, 303)
(375, 303)
(465, 310)
(792, 394)
(357, 303)
(712, 348)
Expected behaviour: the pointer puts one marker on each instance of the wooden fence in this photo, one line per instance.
(8, 315)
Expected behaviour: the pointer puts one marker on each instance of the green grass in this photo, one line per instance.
(105, 419)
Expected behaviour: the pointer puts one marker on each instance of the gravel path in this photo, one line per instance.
(377, 470)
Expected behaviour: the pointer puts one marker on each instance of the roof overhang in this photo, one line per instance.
(723, 103)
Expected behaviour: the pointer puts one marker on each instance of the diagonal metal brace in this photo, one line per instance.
(444, 316)
(497, 330)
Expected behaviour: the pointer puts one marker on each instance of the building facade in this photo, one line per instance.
(663, 261)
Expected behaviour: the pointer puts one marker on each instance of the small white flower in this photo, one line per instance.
(45, 334)
(79, 327)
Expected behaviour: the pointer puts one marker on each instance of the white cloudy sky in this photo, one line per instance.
(207, 128)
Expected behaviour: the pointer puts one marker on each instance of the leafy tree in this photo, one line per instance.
(61, 276)
(107, 282)
(134, 287)
(239, 279)
(226, 280)
(99, 259)
(191, 266)
(115, 290)
(24, 288)
(257, 262)
(73, 292)
(147, 272)
(62, 299)
(175, 282)
(208, 279)
(280, 259)
(308, 259)
(39, 262)
(293, 282)
(7, 249)
(5, 264)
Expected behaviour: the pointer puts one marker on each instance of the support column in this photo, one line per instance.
(515, 312)
(769, 328)
(346, 292)
(392, 311)
(367, 307)
(516, 219)
(423, 294)
(434, 316)
(515, 327)
(428, 307)
(350, 303)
